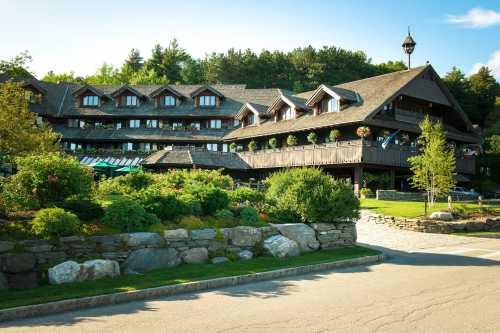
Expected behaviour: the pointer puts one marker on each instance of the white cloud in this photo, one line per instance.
(493, 64)
(476, 18)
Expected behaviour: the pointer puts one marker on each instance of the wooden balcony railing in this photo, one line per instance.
(340, 153)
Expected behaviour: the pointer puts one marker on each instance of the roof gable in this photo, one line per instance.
(335, 92)
(126, 88)
(166, 89)
(86, 88)
(204, 88)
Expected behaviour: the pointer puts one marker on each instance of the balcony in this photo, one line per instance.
(340, 153)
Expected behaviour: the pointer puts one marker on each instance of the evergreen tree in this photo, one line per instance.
(485, 89)
(434, 167)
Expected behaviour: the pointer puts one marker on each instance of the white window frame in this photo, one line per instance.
(207, 100)
(225, 147)
(287, 113)
(134, 123)
(130, 100)
(152, 123)
(176, 125)
(196, 125)
(39, 120)
(171, 100)
(90, 100)
(119, 125)
(215, 123)
(73, 123)
(212, 147)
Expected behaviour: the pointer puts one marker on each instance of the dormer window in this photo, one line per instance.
(207, 101)
(90, 100)
(333, 105)
(169, 101)
(130, 100)
(249, 119)
(286, 113)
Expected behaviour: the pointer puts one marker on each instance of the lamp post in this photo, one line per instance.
(409, 46)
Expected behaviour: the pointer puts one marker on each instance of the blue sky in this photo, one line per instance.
(79, 36)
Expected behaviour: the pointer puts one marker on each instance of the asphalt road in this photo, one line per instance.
(430, 283)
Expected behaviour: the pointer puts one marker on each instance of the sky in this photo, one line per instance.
(79, 36)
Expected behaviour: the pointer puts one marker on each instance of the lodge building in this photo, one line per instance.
(213, 126)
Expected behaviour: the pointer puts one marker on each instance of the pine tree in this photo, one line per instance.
(434, 168)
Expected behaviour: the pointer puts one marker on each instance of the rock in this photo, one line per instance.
(145, 260)
(304, 235)
(36, 246)
(19, 262)
(99, 268)
(245, 236)
(119, 256)
(54, 257)
(6, 246)
(66, 272)
(268, 231)
(3, 282)
(219, 260)
(443, 216)
(323, 226)
(197, 255)
(72, 239)
(279, 246)
(245, 255)
(176, 235)
(22, 280)
(144, 239)
(203, 234)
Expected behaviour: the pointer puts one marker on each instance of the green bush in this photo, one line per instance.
(249, 215)
(273, 143)
(211, 198)
(162, 204)
(312, 138)
(128, 216)
(245, 195)
(252, 145)
(179, 179)
(47, 180)
(309, 195)
(189, 204)
(85, 209)
(365, 192)
(191, 222)
(224, 214)
(126, 184)
(55, 222)
(291, 140)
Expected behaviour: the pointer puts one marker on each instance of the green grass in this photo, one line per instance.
(170, 276)
(412, 209)
(476, 233)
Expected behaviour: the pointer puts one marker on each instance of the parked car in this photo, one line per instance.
(462, 192)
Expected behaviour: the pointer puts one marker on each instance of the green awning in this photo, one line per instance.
(128, 169)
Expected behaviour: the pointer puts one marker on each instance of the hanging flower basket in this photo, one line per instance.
(404, 138)
(363, 131)
(386, 133)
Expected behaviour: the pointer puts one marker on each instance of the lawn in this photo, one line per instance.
(412, 209)
(479, 234)
(170, 276)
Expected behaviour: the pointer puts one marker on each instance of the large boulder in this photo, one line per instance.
(281, 247)
(144, 239)
(443, 216)
(203, 234)
(245, 236)
(176, 235)
(219, 260)
(145, 260)
(66, 272)
(245, 255)
(100, 268)
(197, 255)
(3, 282)
(304, 235)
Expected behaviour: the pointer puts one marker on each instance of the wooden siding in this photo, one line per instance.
(339, 153)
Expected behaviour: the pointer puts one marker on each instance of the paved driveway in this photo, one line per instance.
(430, 283)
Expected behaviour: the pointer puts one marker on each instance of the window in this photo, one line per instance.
(236, 123)
(128, 146)
(134, 123)
(169, 101)
(249, 119)
(73, 123)
(195, 126)
(90, 100)
(286, 113)
(145, 146)
(82, 124)
(215, 123)
(207, 101)
(212, 146)
(39, 121)
(225, 147)
(119, 125)
(152, 123)
(332, 105)
(131, 100)
(177, 125)
(74, 146)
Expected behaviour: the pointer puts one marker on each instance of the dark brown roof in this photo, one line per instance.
(166, 89)
(205, 88)
(126, 87)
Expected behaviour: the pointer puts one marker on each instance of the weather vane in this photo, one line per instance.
(409, 46)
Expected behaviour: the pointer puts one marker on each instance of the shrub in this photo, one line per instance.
(179, 179)
(211, 198)
(126, 184)
(191, 222)
(85, 209)
(189, 204)
(249, 215)
(291, 140)
(55, 222)
(252, 145)
(334, 135)
(309, 195)
(233, 146)
(47, 180)
(365, 192)
(127, 215)
(312, 138)
(162, 204)
(273, 143)
(246, 196)
(224, 214)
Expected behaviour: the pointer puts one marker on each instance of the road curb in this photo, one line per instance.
(169, 290)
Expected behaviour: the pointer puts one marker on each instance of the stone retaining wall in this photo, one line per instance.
(437, 227)
(24, 264)
(394, 195)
